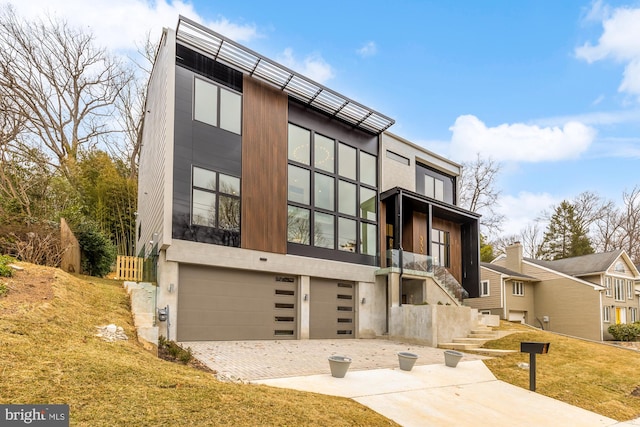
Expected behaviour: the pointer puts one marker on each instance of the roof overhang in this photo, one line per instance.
(420, 203)
(238, 57)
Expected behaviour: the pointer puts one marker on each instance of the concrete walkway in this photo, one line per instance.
(431, 394)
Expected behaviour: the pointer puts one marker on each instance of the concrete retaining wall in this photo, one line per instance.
(142, 296)
(430, 324)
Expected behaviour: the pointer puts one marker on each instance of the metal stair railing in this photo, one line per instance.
(449, 283)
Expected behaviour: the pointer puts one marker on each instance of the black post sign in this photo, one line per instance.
(533, 348)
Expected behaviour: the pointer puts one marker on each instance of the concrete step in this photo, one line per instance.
(468, 340)
(487, 335)
(491, 351)
(459, 346)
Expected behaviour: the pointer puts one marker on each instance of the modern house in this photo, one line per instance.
(580, 296)
(277, 208)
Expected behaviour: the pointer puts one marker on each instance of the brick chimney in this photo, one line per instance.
(514, 257)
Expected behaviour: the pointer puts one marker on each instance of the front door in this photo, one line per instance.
(621, 315)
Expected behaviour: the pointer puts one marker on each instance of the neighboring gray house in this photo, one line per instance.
(579, 296)
(276, 208)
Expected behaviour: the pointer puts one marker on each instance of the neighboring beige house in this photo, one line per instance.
(579, 296)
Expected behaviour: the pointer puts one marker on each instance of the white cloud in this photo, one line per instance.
(120, 24)
(518, 141)
(523, 209)
(368, 49)
(312, 66)
(596, 118)
(619, 41)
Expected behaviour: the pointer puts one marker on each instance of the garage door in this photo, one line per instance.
(331, 309)
(219, 304)
(516, 316)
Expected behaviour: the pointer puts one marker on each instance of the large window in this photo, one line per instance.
(215, 200)
(607, 286)
(217, 106)
(332, 193)
(440, 248)
(618, 289)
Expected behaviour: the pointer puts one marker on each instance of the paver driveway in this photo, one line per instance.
(257, 360)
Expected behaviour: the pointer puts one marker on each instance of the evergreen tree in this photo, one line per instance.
(565, 237)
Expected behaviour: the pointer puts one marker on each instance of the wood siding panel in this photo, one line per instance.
(455, 250)
(264, 168)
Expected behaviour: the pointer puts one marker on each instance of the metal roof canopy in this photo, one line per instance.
(306, 90)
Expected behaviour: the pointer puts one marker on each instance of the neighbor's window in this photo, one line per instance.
(629, 289)
(518, 288)
(607, 286)
(606, 314)
(217, 106)
(484, 288)
(215, 200)
(634, 314)
(618, 288)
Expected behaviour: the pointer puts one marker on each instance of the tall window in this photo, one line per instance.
(433, 187)
(215, 200)
(629, 289)
(217, 106)
(332, 193)
(606, 314)
(484, 288)
(618, 288)
(633, 312)
(607, 286)
(518, 288)
(440, 248)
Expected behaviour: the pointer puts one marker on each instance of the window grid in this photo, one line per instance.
(629, 289)
(618, 288)
(215, 200)
(606, 314)
(217, 106)
(349, 214)
(518, 288)
(484, 288)
(607, 286)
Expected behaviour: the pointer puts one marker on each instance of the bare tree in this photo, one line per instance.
(531, 238)
(478, 191)
(630, 223)
(131, 104)
(64, 86)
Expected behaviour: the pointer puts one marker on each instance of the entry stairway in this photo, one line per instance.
(476, 339)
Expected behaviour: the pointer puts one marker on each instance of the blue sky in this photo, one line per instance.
(550, 89)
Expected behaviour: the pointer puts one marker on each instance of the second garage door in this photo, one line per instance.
(220, 304)
(331, 311)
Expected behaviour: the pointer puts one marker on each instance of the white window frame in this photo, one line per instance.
(633, 314)
(629, 289)
(607, 286)
(606, 314)
(518, 288)
(485, 286)
(618, 289)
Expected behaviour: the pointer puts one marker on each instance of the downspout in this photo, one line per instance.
(600, 309)
(504, 298)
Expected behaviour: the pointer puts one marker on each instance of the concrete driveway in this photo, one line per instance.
(431, 394)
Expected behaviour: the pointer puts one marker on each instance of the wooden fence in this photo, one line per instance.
(129, 268)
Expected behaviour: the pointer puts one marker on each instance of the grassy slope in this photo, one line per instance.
(594, 376)
(49, 354)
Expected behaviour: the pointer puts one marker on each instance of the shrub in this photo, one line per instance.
(625, 332)
(169, 350)
(98, 253)
(5, 270)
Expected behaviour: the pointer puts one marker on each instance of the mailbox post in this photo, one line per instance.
(533, 348)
